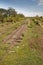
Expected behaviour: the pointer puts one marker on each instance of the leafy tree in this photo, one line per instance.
(9, 15)
(20, 15)
(12, 12)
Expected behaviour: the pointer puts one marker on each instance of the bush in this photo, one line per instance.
(36, 22)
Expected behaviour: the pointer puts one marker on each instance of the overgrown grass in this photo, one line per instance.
(23, 53)
(6, 30)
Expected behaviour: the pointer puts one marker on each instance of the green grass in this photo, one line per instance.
(8, 29)
(23, 53)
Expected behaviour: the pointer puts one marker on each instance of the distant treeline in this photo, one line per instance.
(9, 15)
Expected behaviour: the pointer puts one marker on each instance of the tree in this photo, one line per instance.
(11, 12)
(21, 15)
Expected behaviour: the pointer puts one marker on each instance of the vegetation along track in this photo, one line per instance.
(12, 39)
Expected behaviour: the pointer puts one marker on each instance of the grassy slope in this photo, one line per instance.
(27, 52)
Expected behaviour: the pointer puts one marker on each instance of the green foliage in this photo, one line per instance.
(36, 22)
(10, 15)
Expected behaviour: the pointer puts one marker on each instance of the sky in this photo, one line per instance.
(27, 7)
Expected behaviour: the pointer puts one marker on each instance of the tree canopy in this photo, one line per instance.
(7, 15)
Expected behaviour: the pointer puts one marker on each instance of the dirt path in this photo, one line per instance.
(14, 34)
(12, 39)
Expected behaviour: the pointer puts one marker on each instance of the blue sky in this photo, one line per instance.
(27, 7)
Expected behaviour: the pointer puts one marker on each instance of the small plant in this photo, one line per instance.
(22, 35)
(36, 22)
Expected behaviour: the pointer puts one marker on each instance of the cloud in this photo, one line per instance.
(34, 14)
(40, 2)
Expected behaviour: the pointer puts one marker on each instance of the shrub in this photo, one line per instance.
(36, 22)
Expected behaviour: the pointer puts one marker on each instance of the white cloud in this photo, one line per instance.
(33, 13)
(40, 2)
(27, 13)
